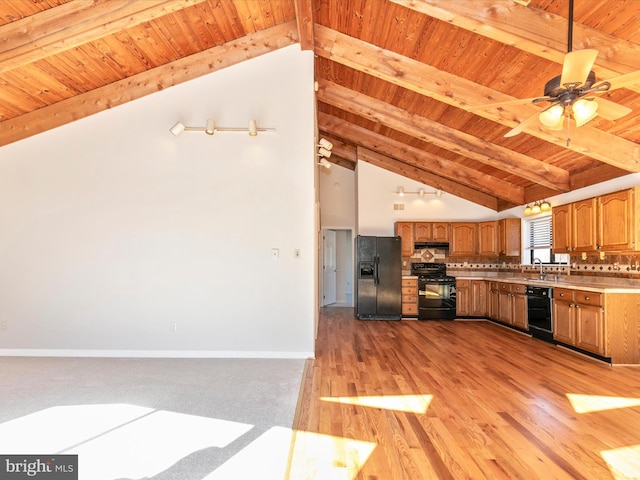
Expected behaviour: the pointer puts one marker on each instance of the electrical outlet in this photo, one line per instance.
(173, 327)
(3, 325)
(275, 253)
(296, 253)
(584, 255)
(601, 255)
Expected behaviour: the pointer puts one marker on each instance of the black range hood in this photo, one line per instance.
(440, 245)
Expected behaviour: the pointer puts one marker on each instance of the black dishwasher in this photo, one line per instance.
(539, 312)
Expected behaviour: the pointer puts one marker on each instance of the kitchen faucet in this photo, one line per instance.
(542, 274)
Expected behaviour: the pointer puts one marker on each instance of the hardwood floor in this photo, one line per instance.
(460, 400)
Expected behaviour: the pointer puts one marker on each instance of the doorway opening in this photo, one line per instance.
(337, 267)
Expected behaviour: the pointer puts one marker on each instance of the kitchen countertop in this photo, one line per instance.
(593, 284)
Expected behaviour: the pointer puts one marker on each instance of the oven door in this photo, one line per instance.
(436, 299)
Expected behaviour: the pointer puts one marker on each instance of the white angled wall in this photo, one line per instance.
(113, 230)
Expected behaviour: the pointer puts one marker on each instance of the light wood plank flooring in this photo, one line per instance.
(460, 400)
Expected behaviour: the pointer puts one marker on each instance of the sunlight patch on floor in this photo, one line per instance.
(404, 403)
(595, 403)
(327, 457)
(117, 440)
(623, 462)
(264, 458)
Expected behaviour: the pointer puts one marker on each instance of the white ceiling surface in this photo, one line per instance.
(114, 229)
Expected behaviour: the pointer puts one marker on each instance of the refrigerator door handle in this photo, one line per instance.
(376, 262)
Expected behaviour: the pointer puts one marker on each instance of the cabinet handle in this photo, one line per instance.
(571, 305)
(598, 247)
(577, 306)
(562, 294)
(586, 298)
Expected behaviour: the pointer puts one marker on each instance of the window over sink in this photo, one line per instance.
(539, 241)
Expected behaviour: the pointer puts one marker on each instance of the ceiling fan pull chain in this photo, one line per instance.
(568, 130)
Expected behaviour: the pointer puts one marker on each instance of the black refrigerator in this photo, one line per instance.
(378, 278)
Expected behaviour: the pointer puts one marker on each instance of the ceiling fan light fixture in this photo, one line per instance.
(584, 110)
(552, 116)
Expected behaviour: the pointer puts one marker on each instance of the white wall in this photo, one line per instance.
(376, 195)
(337, 197)
(113, 229)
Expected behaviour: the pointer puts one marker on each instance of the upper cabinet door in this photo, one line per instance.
(463, 239)
(509, 237)
(488, 239)
(561, 228)
(583, 217)
(440, 232)
(405, 231)
(423, 231)
(616, 214)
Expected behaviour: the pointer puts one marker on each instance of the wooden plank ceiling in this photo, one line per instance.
(397, 79)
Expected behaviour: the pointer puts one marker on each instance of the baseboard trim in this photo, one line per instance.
(28, 352)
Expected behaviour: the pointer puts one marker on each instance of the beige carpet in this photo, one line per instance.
(177, 419)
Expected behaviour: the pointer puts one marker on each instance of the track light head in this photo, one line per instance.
(177, 129)
(326, 144)
(253, 128)
(210, 129)
(323, 152)
(324, 163)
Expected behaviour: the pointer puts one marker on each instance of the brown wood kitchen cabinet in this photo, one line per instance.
(561, 228)
(607, 223)
(509, 237)
(479, 291)
(431, 232)
(488, 239)
(512, 305)
(405, 230)
(409, 297)
(462, 242)
(463, 302)
(493, 299)
(583, 226)
(579, 319)
(619, 220)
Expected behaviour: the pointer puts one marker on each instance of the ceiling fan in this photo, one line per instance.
(574, 93)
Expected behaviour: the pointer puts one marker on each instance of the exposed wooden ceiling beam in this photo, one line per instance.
(145, 83)
(532, 30)
(418, 158)
(462, 93)
(304, 18)
(72, 24)
(442, 136)
(428, 178)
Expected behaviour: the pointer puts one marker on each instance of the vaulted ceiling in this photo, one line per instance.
(399, 81)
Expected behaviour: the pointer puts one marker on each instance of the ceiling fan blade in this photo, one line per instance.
(518, 101)
(577, 66)
(624, 80)
(522, 125)
(610, 110)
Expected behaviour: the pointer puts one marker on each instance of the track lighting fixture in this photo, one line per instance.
(421, 193)
(210, 128)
